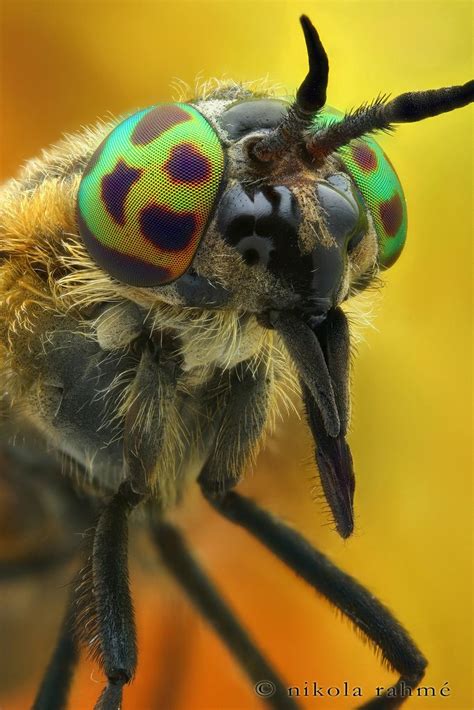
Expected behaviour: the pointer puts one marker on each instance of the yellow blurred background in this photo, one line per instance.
(63, 65)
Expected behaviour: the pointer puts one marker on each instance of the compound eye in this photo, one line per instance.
(343, 210)
(149, 192)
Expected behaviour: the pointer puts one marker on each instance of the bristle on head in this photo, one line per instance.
(382, 115)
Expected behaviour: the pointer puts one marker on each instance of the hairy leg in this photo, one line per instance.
(371, 617)
(54, 689)
(213, 608)
(245, 412)
(103, 611)
(104, 618)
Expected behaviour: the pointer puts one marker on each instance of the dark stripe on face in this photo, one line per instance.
(123, 267)
(115, 187)
(167, 230)
(156, 122)
(391, 214)
(187, 164)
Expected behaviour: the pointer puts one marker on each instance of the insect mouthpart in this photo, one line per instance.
(320, 350)
(273, 212)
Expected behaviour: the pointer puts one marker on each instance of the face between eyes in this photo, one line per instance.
(172, 202)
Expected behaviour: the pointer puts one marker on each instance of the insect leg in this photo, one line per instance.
(210, 604)
(343, 591)
(54, 689)
(112, 633)
(150, 407)
(245, 412)
(104, 615)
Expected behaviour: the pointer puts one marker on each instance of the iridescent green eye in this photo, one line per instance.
(148, 193)
(380, 188)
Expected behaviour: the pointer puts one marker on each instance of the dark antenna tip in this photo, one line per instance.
(310, 98)
(311, 95)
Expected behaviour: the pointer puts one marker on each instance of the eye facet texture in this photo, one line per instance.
(148, 193)
(380, 188)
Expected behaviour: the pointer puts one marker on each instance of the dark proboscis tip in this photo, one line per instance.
(334, 461)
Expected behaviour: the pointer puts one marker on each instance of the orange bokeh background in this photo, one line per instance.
(66, 63)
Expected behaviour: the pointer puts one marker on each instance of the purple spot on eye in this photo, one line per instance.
(124, 267)
(115, 188)
(364, 156)
(156, 122)
(391, 214)
(166, 229)
(187, 164)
